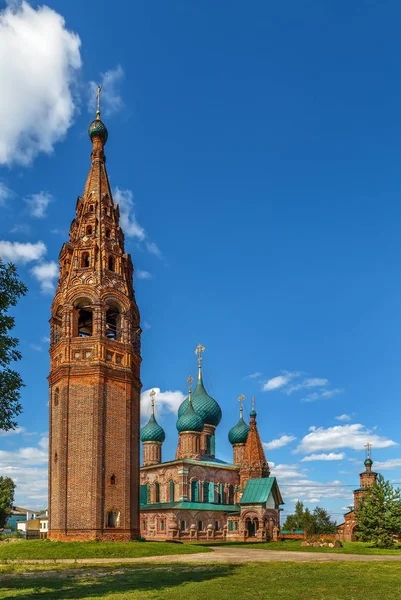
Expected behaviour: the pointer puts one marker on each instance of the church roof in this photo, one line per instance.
(239, 433)
(254, 454)
(152, 431)
(257, 491)
(198, 506)
(206, 406)
(189, 420)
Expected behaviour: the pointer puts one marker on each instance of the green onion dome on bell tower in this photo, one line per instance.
(239, 433)
(189, 420)
(206, 406)
(97, 127)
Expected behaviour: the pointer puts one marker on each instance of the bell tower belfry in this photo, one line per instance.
(94, 372)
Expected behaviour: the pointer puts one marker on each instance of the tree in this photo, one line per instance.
(11, 289)
(318, 522)
(7, 487)
(379, 514)
(321, 521)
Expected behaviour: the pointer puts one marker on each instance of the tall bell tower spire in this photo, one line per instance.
(94, 371)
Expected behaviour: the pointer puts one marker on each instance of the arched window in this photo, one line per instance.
(111, 263)
(85, 323)
(85, 260)
(157, 492)
(113, 518)
(195, 490)
(230, 494)
(113, 480)
(107, 233)
(200, 525)
(89, 230)
(113, 323)
(183, 525)
(148, 494)
(217, 525)
(205, 491)
(211, 492)
(91, 207)
(56, 396)
(171, 491)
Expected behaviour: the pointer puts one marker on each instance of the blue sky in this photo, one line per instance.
(255, 151)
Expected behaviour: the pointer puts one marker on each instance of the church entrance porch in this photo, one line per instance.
(252, 527)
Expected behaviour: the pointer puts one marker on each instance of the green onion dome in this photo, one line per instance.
(97, 127)
(152, 432)
(368, 462)
(189, 420)
(206, 407)
(239, 433)
(252, 413)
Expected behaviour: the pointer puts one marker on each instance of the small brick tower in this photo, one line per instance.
(94, 372)
(254, 464)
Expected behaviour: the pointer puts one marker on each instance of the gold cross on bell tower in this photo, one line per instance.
(99, 89)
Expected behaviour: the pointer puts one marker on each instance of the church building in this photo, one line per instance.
(347, 530)
(196, 496)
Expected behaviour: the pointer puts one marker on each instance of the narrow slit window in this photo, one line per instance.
(56, 396)
(113, 480)
(89, 230)
(108, 234)
(85, 260)
(111, 263)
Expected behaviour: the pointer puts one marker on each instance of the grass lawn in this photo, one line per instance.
(40, 549)
(281, 581)
(295, 546)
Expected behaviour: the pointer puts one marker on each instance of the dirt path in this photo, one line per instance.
(224, 555)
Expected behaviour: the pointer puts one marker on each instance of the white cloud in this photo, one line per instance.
(143, 274)
(129, 224)
(5, 193)
(146, 325)
(308, 383)
(164, 401)
(279, 442)
(322, 394)
(279, 381)
(343, 417)
(38, 203)
(253, 375)
(391, 463)
(153, 249)
(18, 252)
(36, 347)
(45, 339)
(16, 431)
(330, 456)
(21, 228)
(46, 273)
(295, 484)
(39, 61)
(353, 436)
(111, 101)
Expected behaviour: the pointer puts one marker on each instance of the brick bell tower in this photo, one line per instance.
(94, 372)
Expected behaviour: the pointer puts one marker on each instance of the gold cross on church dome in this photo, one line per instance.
(189, 382)
(152, 399)
(241, 399)
(253, 402)
(368, 447)
(199, 351)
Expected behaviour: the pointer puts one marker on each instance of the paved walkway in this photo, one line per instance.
(225, 555)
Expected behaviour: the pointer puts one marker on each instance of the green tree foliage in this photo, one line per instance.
(7, 487)
(11, 289)
(316, 522)
(379, 514)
